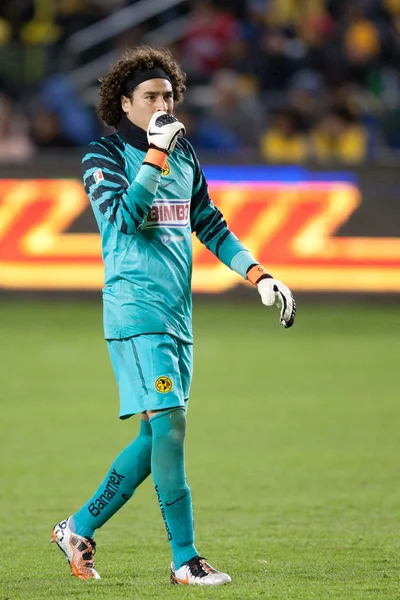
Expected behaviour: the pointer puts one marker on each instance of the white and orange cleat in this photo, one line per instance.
(78, 550)
(197, 571)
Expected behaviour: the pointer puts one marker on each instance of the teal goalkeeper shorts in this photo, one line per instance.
(153, 372)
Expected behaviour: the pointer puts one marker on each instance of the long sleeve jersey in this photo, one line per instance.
(146, 219)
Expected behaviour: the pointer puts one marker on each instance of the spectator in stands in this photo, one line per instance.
(289, 13)
(15, 145)
(235, 108)
(393, 6)
(74, 15)
(47, 131)
(16, 13)
(205, 42)
(273, 66)
(308, 96)
(208, 135)
(5, 31)
(321, 52)
(77, 124)
(339, 137)
(361, 45)
(244, 48)
(284, 140)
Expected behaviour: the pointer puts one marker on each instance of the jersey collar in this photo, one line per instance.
(132, 134)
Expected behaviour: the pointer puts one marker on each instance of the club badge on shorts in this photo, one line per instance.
(163, 385)
(166, 170)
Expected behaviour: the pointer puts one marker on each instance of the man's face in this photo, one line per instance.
(147, 98)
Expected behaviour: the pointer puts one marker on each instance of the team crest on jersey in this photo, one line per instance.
(98, 176)
(166, 170)
(163, 384)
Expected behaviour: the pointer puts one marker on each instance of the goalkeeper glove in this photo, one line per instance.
(162, 133)
(273, 292)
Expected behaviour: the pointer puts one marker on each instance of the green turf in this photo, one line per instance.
(292, 454)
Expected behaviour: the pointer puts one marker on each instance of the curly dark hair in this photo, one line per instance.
(112, 84)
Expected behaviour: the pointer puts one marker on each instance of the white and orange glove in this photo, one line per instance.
(162, 133)
(273, 292)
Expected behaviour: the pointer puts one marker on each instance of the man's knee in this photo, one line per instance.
(169, 423)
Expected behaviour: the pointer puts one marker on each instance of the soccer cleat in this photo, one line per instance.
(197, 571)
(78, 550)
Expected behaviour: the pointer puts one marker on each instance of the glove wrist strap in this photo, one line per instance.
(155, 157)
(256, 272)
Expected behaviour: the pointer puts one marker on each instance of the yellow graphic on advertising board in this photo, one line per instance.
(289, 227)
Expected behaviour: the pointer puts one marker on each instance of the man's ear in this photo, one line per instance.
(125, 103)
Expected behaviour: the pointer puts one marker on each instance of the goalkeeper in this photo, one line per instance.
(148, 194)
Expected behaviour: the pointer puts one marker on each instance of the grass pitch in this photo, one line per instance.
(292, 454)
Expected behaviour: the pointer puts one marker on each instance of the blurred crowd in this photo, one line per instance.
(285, 81)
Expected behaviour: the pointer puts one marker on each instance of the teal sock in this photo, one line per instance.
(127, 472)
(173, 493)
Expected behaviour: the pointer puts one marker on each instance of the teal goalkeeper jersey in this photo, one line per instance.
(146, 219)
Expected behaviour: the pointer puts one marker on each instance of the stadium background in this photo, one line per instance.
(293, 444)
